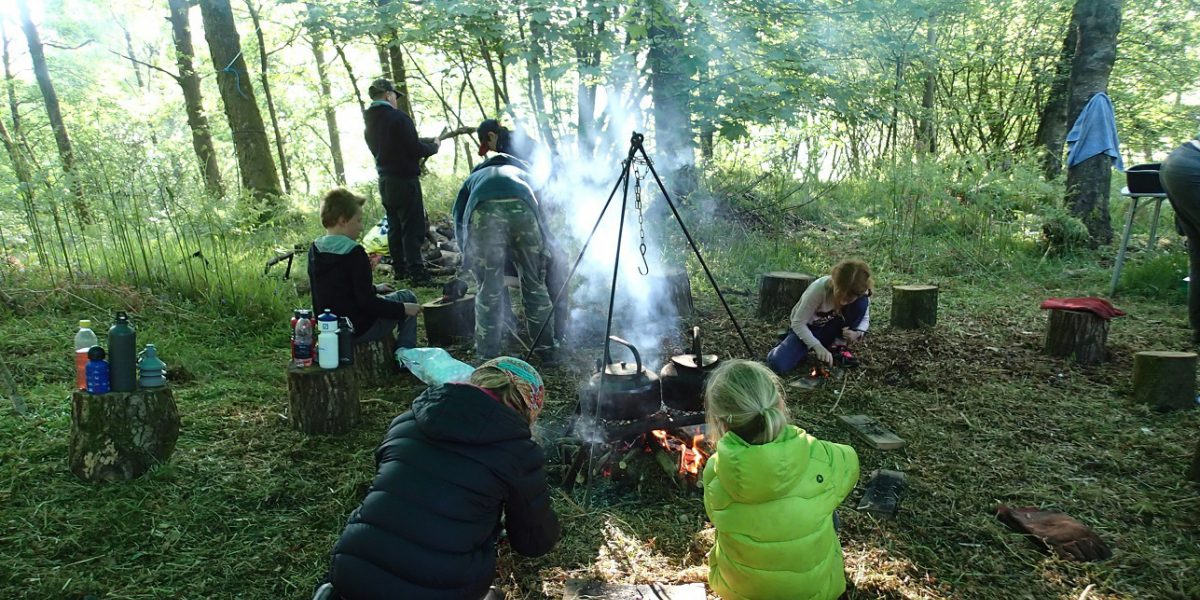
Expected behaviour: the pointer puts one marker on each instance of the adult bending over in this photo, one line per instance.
(1180, 176)
(834, 310)
(453, 472)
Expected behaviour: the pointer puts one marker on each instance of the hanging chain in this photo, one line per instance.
(638, 174)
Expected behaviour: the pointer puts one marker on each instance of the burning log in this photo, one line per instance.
(1078, 334)
(1165, 380)
(779, 291)
(914, 306)
(447, 323)
(588, 427)
(323, 400)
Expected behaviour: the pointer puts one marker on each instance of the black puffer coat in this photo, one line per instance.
(447, 470)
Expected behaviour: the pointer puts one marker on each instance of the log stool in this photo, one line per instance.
(1194, 471)
(914, 306)
(323, 400)
(779, 291)
(678, 290)
(448, 323)
(1165, 380)
(1079, 334)
(375, 362)
(118, 436)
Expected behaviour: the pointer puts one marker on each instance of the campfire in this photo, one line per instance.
(690, 449)
(677, 444)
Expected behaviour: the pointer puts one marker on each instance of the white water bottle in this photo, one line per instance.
(327, 350)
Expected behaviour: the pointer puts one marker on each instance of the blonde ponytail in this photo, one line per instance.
(745, 397)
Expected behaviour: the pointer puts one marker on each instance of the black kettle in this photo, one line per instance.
(619, 391)
(684, 376)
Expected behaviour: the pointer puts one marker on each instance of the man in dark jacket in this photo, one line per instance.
(496, 220)
(340, 274)
(392, 138)
(448, 470)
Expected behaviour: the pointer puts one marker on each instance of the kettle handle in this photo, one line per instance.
(637, 358)
(696, 344)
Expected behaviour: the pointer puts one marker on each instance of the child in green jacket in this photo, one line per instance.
(770, 491)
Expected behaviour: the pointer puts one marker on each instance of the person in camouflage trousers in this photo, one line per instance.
(497, 219)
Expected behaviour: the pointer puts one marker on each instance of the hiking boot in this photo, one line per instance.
(842, 357)
(419, 278)
(882, 496)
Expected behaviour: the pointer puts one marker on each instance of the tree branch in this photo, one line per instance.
(61, 47)
(148, 65)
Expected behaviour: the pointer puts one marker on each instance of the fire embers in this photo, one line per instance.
(680, 452)
(689, 445)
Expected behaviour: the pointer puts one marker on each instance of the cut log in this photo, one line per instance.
(873, 432)
(323, 400)
(578, 589)
(120, 435)
(914, 306)
(448, 323)
(375, 362)
(1194, 471)
(1165, 380)
(677, 290)
(779, 291)
(1078, 334)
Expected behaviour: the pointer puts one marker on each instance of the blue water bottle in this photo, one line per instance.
(97, 371)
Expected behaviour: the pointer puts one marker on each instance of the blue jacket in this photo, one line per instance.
(499, 177)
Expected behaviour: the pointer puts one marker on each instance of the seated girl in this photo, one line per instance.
(834, 311)
(770, 491)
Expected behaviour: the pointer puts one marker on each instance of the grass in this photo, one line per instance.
(247, 508)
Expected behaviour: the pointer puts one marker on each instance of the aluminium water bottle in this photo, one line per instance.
(122, 354)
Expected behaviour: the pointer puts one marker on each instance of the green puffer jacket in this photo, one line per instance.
(772, 506)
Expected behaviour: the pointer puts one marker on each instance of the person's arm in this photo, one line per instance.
(529, 519)
(843, 462)
(866, 320)
(803, 312)
(363, 289)
(406, 135)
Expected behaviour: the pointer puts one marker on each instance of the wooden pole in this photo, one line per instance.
(914, 306)
(779, 291)
(1165, 380)
(1078, 334)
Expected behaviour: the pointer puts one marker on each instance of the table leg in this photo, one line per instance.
(1112, 288)
(1154, 224)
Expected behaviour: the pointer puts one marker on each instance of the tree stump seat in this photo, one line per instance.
(779, 291)
(375, 362)
(1165, 380)
(914, 306)
(448, 323)
(1078, 334)
(120, 435)
(323, 400)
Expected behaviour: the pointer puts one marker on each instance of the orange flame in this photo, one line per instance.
(691, 454)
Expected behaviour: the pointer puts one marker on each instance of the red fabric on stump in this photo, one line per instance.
(1097, 306)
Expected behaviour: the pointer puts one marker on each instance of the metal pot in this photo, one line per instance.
(621, 391)
(684, 376)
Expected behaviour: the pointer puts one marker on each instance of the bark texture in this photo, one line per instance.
(375, 362)
(250, 143)
(1052, 128)
(1077, 334)
(1165, 380)
(779, 291)
(193, 102)
(1088, 183)
(121, 435)
(914, 306)
(323, 400)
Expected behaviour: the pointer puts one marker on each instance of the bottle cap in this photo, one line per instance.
(96, 353)
(85, 324)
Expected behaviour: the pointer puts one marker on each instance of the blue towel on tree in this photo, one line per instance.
(1094, 132)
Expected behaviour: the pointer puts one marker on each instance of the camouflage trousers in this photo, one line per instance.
(502, 231)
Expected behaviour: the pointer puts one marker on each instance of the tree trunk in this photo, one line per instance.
(384, 66)
(21, 170)
(533, 67)
(914, 306)
(250, 143)
(1165, 380)
(1099, 21)
(1052, 127)
(13, 107)
(362, 106)
(264, 67)
(189, 82)
(926, 128)
(670, 81)
(394, 55)
(121, 435)
(323, 400)
(137, 73)
(1077, 334)
(779, 291)
(335, 139)
(587, 58)
(53, 112)
(498, 97)
(375, 362)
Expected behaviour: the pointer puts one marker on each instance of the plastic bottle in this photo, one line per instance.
(84, 340)
(292, 331)
(345, 341)
(97, 371)
(303, 343)
(327, 340)
(122, 354)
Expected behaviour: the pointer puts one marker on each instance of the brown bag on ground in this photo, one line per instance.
(1069, 538)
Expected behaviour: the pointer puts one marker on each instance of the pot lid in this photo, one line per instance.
(689, 360)
(622, 369)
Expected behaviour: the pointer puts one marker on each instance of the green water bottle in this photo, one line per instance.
(122, 354)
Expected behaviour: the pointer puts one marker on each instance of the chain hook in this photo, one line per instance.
(637, 199)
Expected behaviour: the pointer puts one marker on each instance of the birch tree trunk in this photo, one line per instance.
(193, 102)
(250, 143)
(1088, 183)
(61, 139)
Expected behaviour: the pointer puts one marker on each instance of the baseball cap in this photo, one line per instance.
(380, 86)
(486, 127)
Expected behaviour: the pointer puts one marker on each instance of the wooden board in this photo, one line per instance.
(578, 589)
(873, 432)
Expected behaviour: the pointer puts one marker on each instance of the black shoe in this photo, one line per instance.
(549, 357)
(419, 278)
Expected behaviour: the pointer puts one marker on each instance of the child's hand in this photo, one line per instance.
(412, 309)
(384, 288)
(824, 355)
(852, 335)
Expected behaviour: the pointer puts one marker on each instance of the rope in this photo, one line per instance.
(237, 77)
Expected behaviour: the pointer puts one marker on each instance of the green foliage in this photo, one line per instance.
(1159, 278)
(1062, 232)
